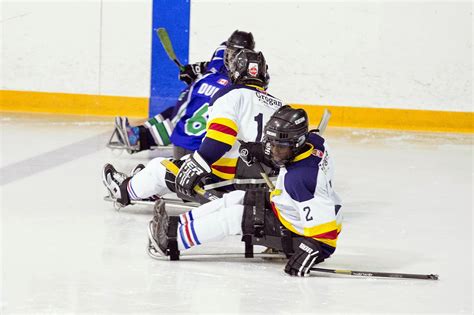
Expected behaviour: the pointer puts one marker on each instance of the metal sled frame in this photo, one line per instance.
(175, 206)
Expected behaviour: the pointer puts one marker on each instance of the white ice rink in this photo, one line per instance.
(407, 208)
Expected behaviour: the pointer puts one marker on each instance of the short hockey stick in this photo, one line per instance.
(166, 42)
(377, 274)
(174, 169)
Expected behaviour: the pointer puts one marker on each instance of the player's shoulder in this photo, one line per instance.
(301, 178)
(232, 90)
(209, 84)
(215, 78)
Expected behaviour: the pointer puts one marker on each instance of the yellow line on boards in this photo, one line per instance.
(342, 116)
(77, 104)
(400, 119)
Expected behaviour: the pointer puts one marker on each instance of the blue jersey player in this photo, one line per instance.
(184, 125)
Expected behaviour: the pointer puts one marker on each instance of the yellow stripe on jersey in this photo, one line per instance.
(223, 130)
(256, 86)
(225, 168)
(222, 174)
(221, 137)
(305, 154)
(226, 162)
(309, 232)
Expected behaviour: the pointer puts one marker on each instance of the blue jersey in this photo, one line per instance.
(190, 113)
(216, 64)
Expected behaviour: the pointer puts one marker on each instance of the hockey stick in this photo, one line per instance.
(377, 274)
(166, 42)
(174, 169)
(323, 123)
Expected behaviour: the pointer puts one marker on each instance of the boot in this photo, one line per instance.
(116, 184)
(162, 231)
(128, 135)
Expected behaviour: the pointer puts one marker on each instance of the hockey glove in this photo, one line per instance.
(251, 152)
(191, 72)
(304, 258)
(190, 173)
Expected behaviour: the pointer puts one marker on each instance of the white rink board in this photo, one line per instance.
(387, 54)
(407, 208)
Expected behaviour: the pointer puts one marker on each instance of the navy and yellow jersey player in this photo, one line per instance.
(304, 201)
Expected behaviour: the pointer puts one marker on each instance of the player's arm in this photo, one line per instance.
(221, 133)
(189, 73)
(317, 217)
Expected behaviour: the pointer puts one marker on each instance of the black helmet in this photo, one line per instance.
(237, 41)
(287, 128)
(249, 67)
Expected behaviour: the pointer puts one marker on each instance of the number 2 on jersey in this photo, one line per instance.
(308, 217)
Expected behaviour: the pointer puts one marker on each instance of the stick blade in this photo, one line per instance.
(323, 123)
(166, 43)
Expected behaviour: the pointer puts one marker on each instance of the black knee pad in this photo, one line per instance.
(253, 220)
(172, 234)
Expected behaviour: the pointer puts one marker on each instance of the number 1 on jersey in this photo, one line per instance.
(259, 120)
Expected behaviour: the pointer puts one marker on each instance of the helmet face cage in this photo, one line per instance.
(293, 140)
(229, 55)
(285, 134)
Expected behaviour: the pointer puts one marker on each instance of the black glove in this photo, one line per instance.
(304, 258)
(191, 72)
(251, 152)
(190, 173)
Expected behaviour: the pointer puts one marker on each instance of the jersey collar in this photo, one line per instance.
(256, 86)
(305, 154)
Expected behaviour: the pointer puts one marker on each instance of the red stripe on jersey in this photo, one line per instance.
(275, 211)
(331, 235)
(188, 234)
(223, 129)
(224, 169)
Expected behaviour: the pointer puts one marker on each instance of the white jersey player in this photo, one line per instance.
(238, 112)
(304, 201)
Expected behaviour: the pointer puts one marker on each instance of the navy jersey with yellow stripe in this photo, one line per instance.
(304, 198)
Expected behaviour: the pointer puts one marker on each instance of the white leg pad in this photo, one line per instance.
(149, 181)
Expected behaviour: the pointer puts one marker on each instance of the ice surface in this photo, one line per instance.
(407, 208)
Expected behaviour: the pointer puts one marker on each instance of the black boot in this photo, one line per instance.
(162, 232)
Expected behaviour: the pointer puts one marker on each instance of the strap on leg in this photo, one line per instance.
(172, 235)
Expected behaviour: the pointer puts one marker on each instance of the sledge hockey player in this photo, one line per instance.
(238, 112)
(303, 202)
(184, 125)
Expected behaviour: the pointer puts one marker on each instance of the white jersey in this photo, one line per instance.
(304, 198)
(238, 113)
